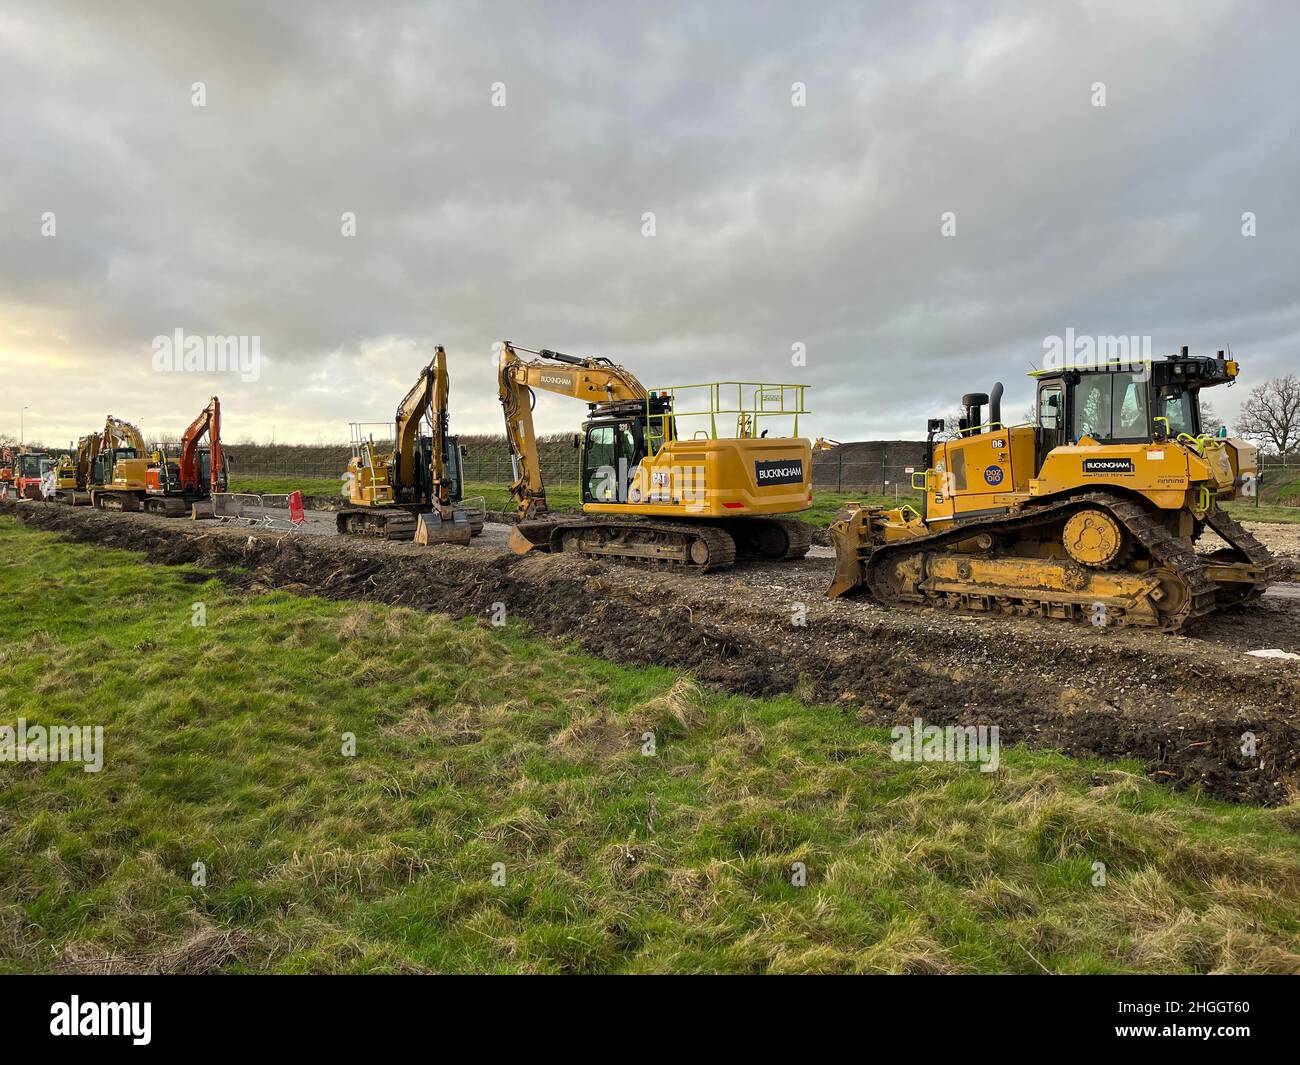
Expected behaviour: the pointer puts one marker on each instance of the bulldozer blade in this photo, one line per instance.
(433, 529)
(850, 572)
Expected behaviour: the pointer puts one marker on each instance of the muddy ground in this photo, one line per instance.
(1178, 704)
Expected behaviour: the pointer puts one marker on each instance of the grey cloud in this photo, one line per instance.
(775, 224)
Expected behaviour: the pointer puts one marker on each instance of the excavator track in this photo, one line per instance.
(1172, 590)
(761, 539)
(703, 548)
(378, 524)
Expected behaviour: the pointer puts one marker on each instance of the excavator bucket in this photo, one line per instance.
(432, 528)
(528, 535)
(519, 543)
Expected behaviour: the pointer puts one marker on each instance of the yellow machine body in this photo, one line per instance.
(649, 491)
(1093, 513)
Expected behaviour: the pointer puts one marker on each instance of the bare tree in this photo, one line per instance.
(1270, 416)
(1210, 421)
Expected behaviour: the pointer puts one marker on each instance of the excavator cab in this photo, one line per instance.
(616, 442)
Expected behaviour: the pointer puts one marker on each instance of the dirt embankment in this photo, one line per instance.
(1181, 705)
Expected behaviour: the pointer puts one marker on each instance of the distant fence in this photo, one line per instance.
(836, 471)
(830, 472)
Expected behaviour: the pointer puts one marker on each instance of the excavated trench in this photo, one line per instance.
(1178, 704)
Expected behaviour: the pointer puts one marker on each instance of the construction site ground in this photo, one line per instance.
(1181, 706)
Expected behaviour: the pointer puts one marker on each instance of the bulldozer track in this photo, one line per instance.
(1166, 551)
(1237, 536)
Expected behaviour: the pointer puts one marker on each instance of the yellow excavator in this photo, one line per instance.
(73, 471)
(1090, 515)
(649, 494)
(117, 476)
(417, 486)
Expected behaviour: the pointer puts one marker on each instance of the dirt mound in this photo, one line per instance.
(1181, 705)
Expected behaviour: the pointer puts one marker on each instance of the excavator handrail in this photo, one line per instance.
(758, 409)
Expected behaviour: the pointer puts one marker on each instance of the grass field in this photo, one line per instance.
(314, 486)
(1244, 511)
(487, 753)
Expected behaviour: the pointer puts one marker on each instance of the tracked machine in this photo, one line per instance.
(648, 493)
(124, 476)
(391, 494)
(73, 472)
(1093, 514)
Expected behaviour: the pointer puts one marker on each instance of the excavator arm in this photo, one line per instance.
(87, 451)
(118, 433)
(439, 403)
(411, 411)
(208, 421)
(593, 380)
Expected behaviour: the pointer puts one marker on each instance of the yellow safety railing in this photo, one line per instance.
(746, 401)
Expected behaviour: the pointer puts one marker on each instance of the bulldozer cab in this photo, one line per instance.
(1126, 403)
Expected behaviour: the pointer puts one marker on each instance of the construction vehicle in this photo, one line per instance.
(8, 459)
(123, 476)
(30, 467)
(415, 487)
(1091, 514)
(72, 473)
(648, 493)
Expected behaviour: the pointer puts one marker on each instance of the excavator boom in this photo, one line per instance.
(209, 422)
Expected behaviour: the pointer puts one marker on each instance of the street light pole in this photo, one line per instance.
(21, 434)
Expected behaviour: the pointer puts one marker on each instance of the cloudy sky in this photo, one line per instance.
(774, 224)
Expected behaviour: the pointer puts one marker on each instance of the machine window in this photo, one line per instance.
(1111, 406)
(1179, 411)
(1049, 408)
(1130, 408)
(1092, 405)
(599, 463)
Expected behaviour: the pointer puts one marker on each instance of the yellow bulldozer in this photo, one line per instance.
(1092, 514)
(651, 492)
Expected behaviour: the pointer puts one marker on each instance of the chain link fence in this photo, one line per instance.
(836, 471)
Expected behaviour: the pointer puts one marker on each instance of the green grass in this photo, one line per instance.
(313, 486)
(1245, 511)
(479, 745)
